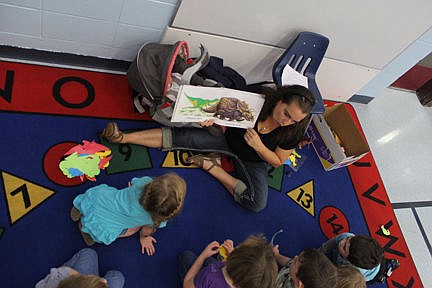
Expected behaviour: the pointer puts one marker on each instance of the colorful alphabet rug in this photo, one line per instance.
(46, 111)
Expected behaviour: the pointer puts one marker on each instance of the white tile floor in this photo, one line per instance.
(399, 132)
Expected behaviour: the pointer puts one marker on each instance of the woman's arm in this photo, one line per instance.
(276, 158)
(209, 251)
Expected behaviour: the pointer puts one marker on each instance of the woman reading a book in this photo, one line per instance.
(280, 128)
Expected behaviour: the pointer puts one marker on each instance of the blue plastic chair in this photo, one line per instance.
(305, 56)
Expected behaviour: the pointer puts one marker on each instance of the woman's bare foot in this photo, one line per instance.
(207, 165)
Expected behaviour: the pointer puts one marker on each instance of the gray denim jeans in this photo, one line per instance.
(86, 262)
(252, 190)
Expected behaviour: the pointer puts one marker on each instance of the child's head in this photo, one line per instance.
(78, 281)
(361, 251)
(350, 277)
(252, 264)
(163, 197)
(312, 269)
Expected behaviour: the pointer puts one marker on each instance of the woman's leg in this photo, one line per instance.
(149, 138)
(252, 196)
(85, 262)
(250, 189)
(169, 138)
(228, 181)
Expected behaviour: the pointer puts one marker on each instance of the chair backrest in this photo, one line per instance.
(304, 55)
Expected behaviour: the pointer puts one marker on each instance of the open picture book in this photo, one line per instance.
(228, 107)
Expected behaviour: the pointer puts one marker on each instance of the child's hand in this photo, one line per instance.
(211, 249)
(304, 142)
(147, 245)
(276, 250)
(228, 245)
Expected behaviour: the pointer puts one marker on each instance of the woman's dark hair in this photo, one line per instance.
(365, 252)
(287, 94)
(316, 270)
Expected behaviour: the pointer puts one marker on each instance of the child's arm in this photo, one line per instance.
(280, 259)
(332, 244)
(209, 251)
(140, 182)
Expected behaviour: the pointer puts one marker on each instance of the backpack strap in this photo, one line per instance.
(197, 65)
(386, 269)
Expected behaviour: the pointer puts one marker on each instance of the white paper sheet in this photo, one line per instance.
(292, 77)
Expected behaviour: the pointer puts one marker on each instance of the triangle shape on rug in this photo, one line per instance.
(22, 195)
(303, 195)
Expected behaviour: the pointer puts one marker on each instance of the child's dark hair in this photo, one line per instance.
(163, 197)
(316, 270)
(252, 264)
(79, 281)
(350, 277)
(365, 252)
(287, 94)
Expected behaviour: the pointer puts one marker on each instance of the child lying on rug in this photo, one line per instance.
(363, 252)
(106, 213)
(251, 264)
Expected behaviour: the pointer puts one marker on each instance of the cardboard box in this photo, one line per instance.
(330, 153)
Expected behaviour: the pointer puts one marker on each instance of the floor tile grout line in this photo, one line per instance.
(417, 204)
(423, 232)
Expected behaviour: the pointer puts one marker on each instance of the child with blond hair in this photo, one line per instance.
(106, 213)
(350, 277)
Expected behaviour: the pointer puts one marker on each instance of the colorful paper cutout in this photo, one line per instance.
(85, 160)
